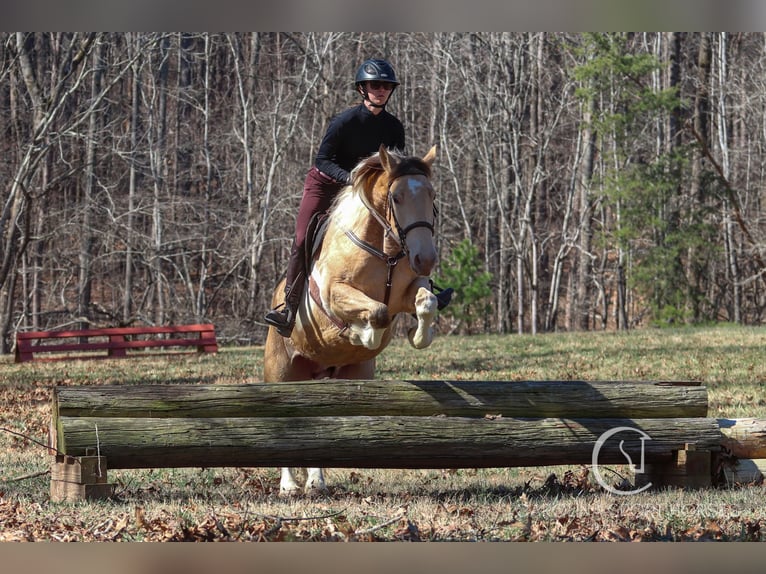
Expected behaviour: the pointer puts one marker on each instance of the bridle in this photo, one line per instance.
(400, 236)
(402, 233)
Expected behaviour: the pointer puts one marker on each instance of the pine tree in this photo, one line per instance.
(462, 270)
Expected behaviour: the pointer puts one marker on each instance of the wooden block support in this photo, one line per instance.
(78, 478)
(689, 468)
(117, 351)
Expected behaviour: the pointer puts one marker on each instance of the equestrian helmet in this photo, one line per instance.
(376, 69)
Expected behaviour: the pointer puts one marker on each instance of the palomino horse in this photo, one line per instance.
(357, 285)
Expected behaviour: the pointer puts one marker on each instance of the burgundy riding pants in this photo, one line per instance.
(319, 191)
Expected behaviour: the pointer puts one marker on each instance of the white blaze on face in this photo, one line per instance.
(417, 206)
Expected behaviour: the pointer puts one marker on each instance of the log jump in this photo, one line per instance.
(377, 424)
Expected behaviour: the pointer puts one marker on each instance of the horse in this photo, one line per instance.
(356, 283)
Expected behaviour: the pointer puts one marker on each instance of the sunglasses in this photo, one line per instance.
(380, 85)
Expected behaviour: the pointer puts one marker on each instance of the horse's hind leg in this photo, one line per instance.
(289, 483)
(426, 306)
(315, 483)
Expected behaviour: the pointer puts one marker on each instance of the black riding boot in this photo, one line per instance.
(282, 317)
(443, 296)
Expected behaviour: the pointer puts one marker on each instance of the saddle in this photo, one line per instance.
(315, 232)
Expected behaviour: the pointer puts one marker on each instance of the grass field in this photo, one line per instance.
(531, 504)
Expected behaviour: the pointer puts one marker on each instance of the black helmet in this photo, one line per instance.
(376, 69)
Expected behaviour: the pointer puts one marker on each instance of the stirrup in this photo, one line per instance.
(283, 320)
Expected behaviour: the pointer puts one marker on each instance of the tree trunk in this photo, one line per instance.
(581, 306)
(158, 167)
(722, 125)
(87, 238)
(135, 86)
(701, 110)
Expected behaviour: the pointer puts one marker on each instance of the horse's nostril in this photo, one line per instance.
(423, 264)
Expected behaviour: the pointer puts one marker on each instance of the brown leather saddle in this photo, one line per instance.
(315, 232)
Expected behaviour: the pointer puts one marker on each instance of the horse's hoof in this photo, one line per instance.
(292, 492)
(315, 487)
(420, 340)
(315, 491)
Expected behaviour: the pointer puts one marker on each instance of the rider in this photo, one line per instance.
(351, 136)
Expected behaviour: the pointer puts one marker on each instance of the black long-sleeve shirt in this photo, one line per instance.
(354, 135)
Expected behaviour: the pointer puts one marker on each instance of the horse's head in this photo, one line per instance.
(411, 206)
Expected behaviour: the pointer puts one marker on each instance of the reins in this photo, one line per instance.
(390, 261)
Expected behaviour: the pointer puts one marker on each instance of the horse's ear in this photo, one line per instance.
(430, 156)
(388, 161)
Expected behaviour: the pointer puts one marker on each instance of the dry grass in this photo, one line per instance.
(557, 503)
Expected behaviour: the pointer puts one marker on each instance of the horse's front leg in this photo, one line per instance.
(425, 307)
(366, 318)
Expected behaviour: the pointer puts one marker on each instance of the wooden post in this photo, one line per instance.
(23, 349)
(118, 351)
(74, 479)
(211, 346)
(689, 468)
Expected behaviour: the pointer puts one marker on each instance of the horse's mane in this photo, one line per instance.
(371, 166)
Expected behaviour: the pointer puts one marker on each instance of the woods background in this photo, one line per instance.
(597, 181)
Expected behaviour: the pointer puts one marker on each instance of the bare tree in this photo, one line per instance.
(47, 106)
(87, 236)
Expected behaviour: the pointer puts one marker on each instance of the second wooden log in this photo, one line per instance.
(377, 442)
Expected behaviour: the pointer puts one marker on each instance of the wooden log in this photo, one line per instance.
(532, 399)
(744, 438)
(376, 442)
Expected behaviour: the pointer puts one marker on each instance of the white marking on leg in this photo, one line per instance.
(315, 481)
(426, 306)
(365, 335)
(288, 485)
